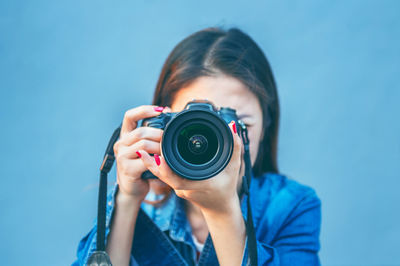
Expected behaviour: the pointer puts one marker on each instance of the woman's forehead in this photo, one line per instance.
(222, 91)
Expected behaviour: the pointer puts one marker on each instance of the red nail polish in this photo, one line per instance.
(234, 127)
(157, 159)
(158, 109)
(138, 154)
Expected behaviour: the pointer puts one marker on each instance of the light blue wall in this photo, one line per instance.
(69, 70)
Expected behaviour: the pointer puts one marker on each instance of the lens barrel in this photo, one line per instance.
(197, 144)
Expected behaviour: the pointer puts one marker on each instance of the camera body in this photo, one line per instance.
(197, 142)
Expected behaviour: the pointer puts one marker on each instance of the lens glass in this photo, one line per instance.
(197, 143)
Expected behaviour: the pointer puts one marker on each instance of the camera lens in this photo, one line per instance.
(197, 143)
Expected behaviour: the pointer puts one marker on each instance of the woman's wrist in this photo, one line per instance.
(127, 202)
(224, 210)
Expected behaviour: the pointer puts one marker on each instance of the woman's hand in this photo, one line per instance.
(216, 194)
(132, 139)
(216, 197)
(132, 188)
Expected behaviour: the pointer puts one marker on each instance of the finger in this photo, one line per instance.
(159, 167)
(130, 152)
(167, 110)
(169, 177)
(149, 133)
(129, 169)
(149, 162)
(135, 114)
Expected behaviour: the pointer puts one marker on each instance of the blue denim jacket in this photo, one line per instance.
(287, 219)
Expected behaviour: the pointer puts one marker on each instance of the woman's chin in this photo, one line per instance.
(159, 187)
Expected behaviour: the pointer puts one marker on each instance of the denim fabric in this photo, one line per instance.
(286, 215)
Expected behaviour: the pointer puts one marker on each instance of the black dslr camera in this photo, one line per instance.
(197, 143)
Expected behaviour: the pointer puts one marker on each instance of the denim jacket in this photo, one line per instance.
(286, 215)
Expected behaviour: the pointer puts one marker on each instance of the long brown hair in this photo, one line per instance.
(234, 53)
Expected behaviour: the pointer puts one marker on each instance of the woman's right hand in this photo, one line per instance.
(132, 138)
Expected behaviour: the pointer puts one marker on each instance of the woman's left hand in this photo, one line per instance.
(216, 194)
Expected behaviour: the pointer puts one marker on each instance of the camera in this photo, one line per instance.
(197, 142)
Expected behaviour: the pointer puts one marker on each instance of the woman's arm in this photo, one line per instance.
(131, 189)
(122, 228)
(228, 232)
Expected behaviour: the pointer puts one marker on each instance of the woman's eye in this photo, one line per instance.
(248, 125)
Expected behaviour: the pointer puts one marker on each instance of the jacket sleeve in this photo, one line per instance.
(87, 244)
(297, 240)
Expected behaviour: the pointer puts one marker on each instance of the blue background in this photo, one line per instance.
(70, 69)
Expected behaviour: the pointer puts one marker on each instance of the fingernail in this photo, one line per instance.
(158, 109)
(157, 159)
(234, 127)
(138, 154)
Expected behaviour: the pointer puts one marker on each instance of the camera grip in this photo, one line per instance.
(148, 175)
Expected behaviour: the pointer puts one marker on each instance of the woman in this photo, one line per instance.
(175, 221)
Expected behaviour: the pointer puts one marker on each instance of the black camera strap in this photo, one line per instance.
(251, 234)
(100, 257)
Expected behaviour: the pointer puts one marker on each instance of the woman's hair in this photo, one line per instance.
(233, 53)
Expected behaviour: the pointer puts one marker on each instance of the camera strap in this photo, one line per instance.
(251, 234)
(100, 257)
